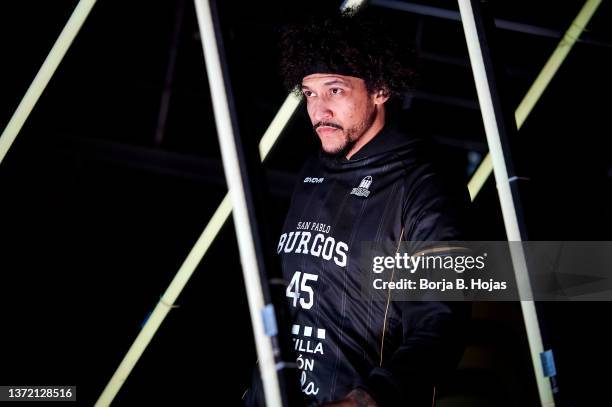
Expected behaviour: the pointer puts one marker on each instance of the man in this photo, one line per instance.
(369, 183)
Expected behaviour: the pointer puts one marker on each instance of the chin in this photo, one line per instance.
(333, 146)
(332, 150)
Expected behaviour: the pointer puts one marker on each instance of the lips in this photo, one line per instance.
(326, 130)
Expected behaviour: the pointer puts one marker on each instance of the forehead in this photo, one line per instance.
(323, 79)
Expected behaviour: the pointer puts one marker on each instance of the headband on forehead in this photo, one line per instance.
(337, 69)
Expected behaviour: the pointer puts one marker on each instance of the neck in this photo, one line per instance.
(371, 132)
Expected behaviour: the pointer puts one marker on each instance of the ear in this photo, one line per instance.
(380, 96)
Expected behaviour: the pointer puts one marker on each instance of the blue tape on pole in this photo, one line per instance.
(548, 363)
(269, 320)
(146, 318)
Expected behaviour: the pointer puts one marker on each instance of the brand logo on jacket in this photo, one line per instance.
(313, 180)
(362, 189)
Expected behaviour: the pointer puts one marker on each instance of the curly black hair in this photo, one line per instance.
(350, 44)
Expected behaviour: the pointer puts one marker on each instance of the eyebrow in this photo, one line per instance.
(335, 82)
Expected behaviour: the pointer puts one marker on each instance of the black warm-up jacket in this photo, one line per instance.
(389, 189)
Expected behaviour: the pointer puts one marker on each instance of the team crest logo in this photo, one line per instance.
(362, 189)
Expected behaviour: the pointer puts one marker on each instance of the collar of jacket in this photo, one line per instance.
(388, 145)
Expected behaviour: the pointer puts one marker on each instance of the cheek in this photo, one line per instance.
(310, 112)
(353, 113)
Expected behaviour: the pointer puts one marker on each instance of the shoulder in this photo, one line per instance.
(436, 200)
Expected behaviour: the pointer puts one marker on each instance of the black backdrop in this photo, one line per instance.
(95, 218)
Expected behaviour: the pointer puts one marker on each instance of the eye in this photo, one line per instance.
(336, 91)
(308, 93)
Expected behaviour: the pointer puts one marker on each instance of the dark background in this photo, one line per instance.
(97, 211)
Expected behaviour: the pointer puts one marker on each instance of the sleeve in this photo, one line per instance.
(432, 332)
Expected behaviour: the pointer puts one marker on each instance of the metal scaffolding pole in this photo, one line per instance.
(498, 128)
(164, 102)
(452, 15)
(276, 361)
(166, 302)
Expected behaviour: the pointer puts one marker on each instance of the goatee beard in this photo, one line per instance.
(340, 153)
(351, 140)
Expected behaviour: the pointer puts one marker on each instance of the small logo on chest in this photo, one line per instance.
(313, 180)
(362, 189)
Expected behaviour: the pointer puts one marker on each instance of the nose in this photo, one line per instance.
(319, 111)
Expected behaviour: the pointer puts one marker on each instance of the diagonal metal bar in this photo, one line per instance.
(46, 71)
(197, 252)
(538, 87)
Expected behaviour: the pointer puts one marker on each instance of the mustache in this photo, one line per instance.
(328, 124)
